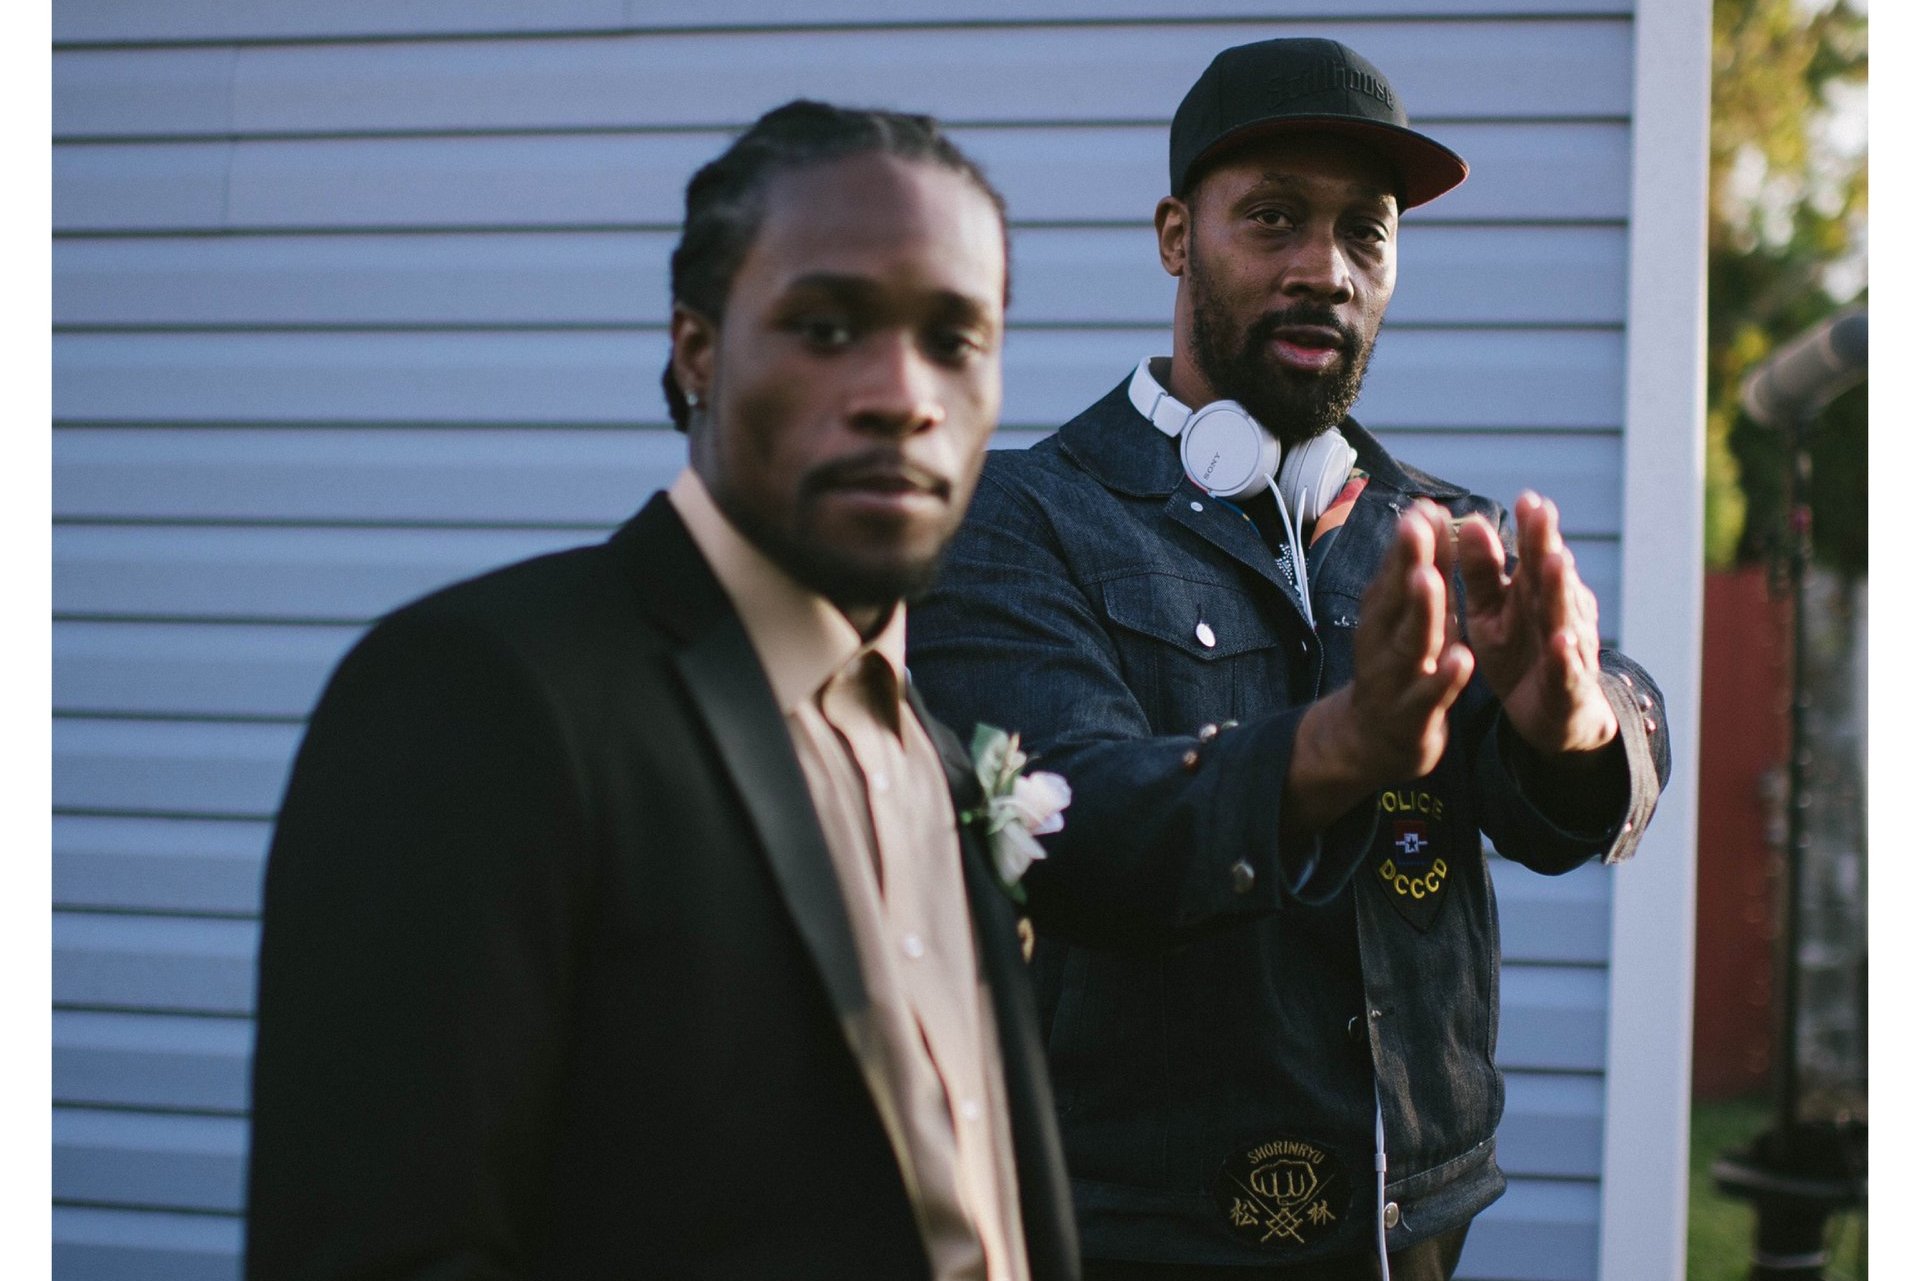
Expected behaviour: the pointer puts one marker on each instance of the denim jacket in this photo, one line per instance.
(1219, 999)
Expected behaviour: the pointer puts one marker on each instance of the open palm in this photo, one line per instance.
(1534, 631)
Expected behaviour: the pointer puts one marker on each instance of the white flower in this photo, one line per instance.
(1041, 800)
(1018, 807)
(1014, 850)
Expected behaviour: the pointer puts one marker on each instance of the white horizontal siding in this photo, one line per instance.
(713, 79)
(1471, 379)
(1532, 172)
(188, 866)
(110, 21)
(1551, 1021)
(186, 1162)
(1449, 276)
(448, 284)
(93, 1244)
(594, 477)
(203, 867)
(352, 575)
(314, 575)
(192, 669)
(120, 1158)
(174, 1062)
(1539, 1231)
(187, 768)
(198, 1061)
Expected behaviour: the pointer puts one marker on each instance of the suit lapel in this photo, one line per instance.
(729, 689)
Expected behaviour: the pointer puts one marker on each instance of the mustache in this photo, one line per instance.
(1318, 315)
(882, 465)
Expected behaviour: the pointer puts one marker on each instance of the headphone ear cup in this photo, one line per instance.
(1227, 453)
(1320, 467)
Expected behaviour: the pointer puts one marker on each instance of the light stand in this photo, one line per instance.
(1798, 1173)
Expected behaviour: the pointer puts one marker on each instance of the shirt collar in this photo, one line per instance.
(801, 637)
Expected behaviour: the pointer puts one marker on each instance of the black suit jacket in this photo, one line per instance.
(555, 978)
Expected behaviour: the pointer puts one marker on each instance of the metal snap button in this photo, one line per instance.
(1204, 634)
(1207, 733)
(1391, 1215)
(1242, 876)
(1199, 507)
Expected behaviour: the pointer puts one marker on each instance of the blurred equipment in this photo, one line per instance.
(1799, 1172)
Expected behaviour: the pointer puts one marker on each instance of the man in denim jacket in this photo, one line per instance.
(1295, 781)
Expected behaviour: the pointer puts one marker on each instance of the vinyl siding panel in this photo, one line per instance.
(354, 300)
(226, 21)
(714, 79)
(574, 476)
(1522, 172)
(332, 575)
(1469, 379)
(142, 1245)
(1450, 275)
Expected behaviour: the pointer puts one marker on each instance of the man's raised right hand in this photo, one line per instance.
(1390, 724)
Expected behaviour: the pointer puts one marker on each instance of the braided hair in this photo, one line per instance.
(727, 197)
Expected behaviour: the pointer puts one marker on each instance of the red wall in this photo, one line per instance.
(1743, 740)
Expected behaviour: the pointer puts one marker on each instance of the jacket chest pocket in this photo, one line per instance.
(1195, 652)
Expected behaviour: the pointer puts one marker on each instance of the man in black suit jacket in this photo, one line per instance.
(560, 976)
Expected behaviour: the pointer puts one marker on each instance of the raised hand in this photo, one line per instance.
(1390, 724)
(1535, 632)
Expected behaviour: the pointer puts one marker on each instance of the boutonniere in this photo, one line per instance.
(1017, 808)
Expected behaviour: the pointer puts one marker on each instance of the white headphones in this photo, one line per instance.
(1228, 454)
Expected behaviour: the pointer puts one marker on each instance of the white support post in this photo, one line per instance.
(1643, 1217)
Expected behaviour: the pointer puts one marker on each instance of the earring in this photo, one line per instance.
(693, 400)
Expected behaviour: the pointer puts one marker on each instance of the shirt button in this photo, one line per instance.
(969, 1110)
(1242, 876)
(1391, 1215)
(1646, 702)
(1205, 635)
(1199, 507)
(1207, 733)
(913, 946)
(1191, 761)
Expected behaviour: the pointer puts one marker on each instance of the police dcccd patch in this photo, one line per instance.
(1407, 865)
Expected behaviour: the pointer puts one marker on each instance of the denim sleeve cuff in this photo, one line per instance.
(1606, 813)
(1322, 862)
(1245, 860)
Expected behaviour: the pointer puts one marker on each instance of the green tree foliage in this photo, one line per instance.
(1785, 247)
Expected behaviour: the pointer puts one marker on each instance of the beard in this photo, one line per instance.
(1294, 406)
(869, 573)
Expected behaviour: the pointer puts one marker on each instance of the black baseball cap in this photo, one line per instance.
(1304, 86)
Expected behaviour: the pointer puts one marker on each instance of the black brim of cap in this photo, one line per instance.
(1425, 168)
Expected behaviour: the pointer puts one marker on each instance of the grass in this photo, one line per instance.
(1720, 1230)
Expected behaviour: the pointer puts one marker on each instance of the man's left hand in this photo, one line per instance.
(1535, 633)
